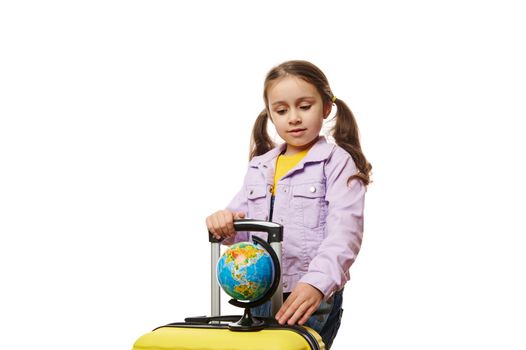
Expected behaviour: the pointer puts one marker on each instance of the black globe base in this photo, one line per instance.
(247, 323)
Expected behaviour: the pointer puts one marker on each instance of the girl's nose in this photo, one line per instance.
(294, 118)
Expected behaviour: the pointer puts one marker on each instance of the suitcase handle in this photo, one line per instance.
(274, 230)
(231, 318)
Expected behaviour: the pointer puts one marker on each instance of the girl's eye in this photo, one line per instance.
(305, 107)
(281, 111)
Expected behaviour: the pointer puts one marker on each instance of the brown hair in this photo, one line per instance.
(345, 130)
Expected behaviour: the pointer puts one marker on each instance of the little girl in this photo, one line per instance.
(314, 188)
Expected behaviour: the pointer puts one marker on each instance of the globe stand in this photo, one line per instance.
(247, 322)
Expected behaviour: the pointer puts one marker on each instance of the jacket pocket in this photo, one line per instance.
(308, 200)
(257, 198)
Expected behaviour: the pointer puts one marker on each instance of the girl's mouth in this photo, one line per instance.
(296, 132)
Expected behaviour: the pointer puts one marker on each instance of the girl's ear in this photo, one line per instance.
(327, 110)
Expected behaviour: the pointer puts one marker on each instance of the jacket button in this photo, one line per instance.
(270, 188)
(285, 285)
(251, 192)
(312, 189)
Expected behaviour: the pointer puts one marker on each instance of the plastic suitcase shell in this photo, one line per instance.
(188, 336)
(202, 333)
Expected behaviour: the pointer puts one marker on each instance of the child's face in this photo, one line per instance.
(297, 111)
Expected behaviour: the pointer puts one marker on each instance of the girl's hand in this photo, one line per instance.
(221, 223)
(300, 305)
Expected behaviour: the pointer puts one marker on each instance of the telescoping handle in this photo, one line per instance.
(275, 237)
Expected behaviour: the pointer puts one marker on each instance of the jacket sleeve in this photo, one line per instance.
(329, 269)
(238, 204)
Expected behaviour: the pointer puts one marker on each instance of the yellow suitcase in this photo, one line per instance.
(230, 332)
(193, 335)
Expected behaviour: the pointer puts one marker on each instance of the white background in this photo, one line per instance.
(125, 123)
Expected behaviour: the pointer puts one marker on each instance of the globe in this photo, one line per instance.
(245, 271)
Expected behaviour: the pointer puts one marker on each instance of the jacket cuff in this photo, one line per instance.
(320, 281)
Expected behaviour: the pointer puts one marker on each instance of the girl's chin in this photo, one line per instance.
(295, 147)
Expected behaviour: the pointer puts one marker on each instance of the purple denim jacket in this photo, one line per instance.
(321, 213)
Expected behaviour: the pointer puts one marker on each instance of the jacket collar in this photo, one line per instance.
(320, 151)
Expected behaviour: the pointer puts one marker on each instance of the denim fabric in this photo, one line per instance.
(320, 210)
(326, 320)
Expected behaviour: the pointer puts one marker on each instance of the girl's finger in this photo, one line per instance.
(289, 311)
(298, 313)
(284, 307)
(217, 225)
(210, 227)
(223, 224)
(228, 217)
(307, 315)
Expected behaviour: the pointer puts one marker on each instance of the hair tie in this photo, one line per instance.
(333, 98)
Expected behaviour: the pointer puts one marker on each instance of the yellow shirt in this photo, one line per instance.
(286, 163)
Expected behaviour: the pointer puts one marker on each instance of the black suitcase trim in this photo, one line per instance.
(204, 322)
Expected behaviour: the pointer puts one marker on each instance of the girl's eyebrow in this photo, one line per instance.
(297, 100)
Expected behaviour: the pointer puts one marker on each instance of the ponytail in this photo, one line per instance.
(260, 142)
(345, 133)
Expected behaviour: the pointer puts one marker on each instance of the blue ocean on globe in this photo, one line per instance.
(245, 271)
